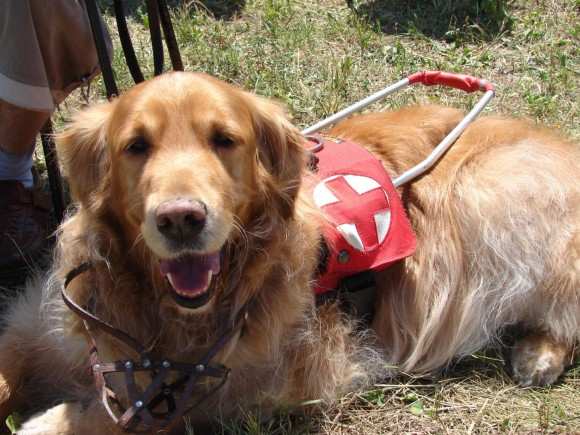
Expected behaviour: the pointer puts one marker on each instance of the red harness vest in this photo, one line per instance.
(366, 227)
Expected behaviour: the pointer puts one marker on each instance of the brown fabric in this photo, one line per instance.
(47, 46)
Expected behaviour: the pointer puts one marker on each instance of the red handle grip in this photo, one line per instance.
(458, 81)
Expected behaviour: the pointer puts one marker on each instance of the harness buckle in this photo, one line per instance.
(357, 294)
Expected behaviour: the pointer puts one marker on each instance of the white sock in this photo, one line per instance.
(16, 168)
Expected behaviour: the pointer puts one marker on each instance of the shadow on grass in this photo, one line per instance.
(220, 9)
(452, 20)
(224, 9)
(284, 423)
(403, 392)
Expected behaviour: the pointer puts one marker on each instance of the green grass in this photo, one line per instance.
(321, 55)
(318, 56)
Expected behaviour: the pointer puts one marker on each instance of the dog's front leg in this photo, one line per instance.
(71, 418)
(9, 385)
(13, 361)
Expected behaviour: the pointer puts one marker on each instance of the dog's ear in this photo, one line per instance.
(281, 154)
(82, 151)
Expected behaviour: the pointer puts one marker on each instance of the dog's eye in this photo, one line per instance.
(221, 140)
(138, 146)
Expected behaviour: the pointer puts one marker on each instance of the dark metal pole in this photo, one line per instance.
(170, 39)
(101, 46)
(54, 177)
(126, 43)
(156, 39)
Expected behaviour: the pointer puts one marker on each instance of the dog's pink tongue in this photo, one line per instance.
(190, 275)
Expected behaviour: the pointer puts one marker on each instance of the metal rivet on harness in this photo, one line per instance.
(137, 417)
(343, 257)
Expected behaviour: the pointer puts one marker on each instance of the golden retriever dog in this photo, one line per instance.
(193, 206)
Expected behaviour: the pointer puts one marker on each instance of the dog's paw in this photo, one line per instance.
(71, 418)
(53, 421)
(4, 389)
(6, 399)
(538, 360)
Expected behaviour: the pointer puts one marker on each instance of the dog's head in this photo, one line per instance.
(183, 162)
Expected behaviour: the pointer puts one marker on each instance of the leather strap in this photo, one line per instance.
(92, 319)
(139, 415)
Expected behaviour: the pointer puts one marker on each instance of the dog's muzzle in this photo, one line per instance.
(141, 414)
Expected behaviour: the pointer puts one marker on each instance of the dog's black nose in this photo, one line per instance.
(181, 219)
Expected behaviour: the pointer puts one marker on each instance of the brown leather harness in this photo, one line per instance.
(139, 416)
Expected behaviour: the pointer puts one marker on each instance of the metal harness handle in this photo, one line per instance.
(458, 81)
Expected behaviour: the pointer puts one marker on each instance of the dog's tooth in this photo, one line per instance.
(169, 278)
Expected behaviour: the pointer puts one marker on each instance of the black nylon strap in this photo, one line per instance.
(101, 47)
(126, 43)
(54, 178)
(155, 32)
(159, 17)
(170, 40)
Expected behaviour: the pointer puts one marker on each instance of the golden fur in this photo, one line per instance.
(497, 222)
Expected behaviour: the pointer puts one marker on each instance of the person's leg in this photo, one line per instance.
(18, 130)
(23, 225)
(26, 103)
(46, 51)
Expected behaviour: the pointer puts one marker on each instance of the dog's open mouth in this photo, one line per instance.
(190, 277)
